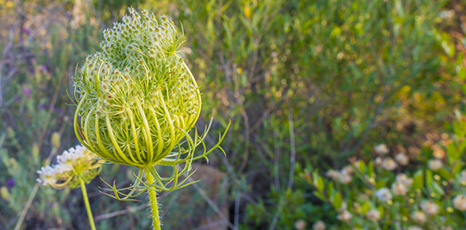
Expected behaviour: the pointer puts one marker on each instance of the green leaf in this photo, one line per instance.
(381, 210)
(370, 169)
(320, 195)
(428, 178)
(437, 188)
(315, 176)
(359, 225)
(444, 173)
(457, 168)
(462, 73)
(380, 184)
(452, 153)
(362, 167)
(364, 208)
(337, 201)
(330, 189)
(320, 184)
(418, 182)
(461, 147)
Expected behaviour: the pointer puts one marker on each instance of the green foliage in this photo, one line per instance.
(434, 191)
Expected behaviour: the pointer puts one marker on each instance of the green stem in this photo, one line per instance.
(86, 202)
(153, 201)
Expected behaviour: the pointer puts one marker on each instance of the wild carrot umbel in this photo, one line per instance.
(137, 101)
(75, 167)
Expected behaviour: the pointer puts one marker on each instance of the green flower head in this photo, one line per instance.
(136, 97)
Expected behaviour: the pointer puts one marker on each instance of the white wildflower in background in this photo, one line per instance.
(435, 164)
(389, 164)
(345, 177)
(73, 164)
(381, 149)
(447, 14)
(345, 216)
(378, 161)
(348, 169)
(399, 188)
(430, 208)
(319, 225)
(459, 202)
(404, 179)
(300, 225)
(402, 159)
(373, 215)
(419, 217)
(415, 228)
(383, 194)
(335, 175)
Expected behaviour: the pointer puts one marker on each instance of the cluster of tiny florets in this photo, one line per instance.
(138, 79)
(73, 163)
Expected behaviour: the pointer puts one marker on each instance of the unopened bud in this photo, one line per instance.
(4, 193)
(35, 151)
(56, 139)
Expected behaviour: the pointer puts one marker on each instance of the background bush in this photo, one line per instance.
(305, 83)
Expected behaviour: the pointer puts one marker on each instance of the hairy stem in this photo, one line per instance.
(153, 201)
(86, 202)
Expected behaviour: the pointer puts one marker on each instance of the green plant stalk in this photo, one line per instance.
(153, 201)
(86, 202)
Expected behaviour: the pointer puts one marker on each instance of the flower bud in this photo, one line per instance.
(56, 139)
(35, 151)
(137, 97)
(4, 193)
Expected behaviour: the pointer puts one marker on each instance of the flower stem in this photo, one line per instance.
(86, 202)
(153, 202)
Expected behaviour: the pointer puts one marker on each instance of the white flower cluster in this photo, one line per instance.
(74, 161)
(460, 202)
(381, 149)
(344, 176)
(401, 185)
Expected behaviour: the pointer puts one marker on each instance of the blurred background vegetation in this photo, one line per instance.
(306, 83)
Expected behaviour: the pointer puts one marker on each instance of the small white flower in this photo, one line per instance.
(399, 189)
(446, 14)
(383, 194)
(300, 225)
(348, 169)
(415, 228)
(459, 202)
(430, 208)
(402, 159)
(419, 217)
(345, 216)
(435, 164)
(373, 215)
(389, 164)
(335, 175)
(378, 161)
(381, 149)
(319, 225)
(404, 179)
(345, 177)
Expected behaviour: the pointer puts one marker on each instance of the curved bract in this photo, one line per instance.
(136, 97)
